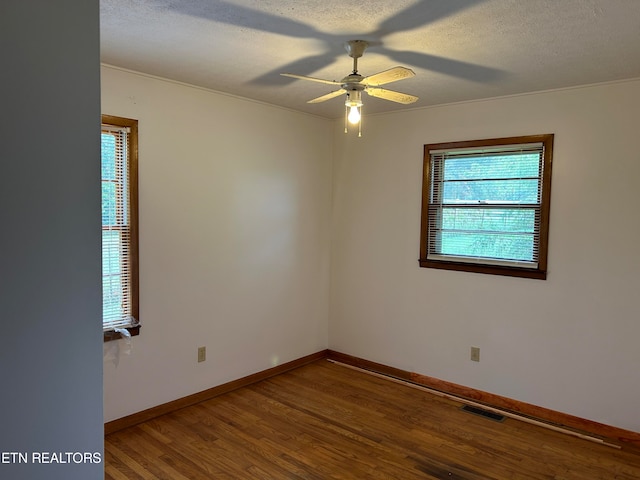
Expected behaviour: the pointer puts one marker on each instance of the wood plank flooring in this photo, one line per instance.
(326, 421)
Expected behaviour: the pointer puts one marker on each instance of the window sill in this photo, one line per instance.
(489, 269)
(113, 335)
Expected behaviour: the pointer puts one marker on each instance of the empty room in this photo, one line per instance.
(373, 239)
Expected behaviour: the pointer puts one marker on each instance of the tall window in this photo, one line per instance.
(119, 142)
(485, 206)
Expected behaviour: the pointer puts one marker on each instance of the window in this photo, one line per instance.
(485, 206)
(119, 147)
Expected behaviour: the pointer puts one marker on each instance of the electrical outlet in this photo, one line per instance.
(475, 354)
(202, 354)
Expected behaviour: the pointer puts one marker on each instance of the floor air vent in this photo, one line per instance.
(496, 417)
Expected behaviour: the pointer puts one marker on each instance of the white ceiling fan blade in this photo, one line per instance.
(313, 79)
(328, 96)
(392, 75)
(398, 97)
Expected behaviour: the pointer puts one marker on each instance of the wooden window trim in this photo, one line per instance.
(537, 273)
(133, 218)
(113, 335)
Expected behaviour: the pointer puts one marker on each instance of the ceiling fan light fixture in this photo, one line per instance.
(354, 115)
(354, 102)
(353, 110)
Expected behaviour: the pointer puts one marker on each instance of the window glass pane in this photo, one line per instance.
(112, 292)
(491, 191)
(112, 305)
(108, 203)
(490, 167)
(108, 150)
(489, 219)
(124, 204)
(505, 246)
(111, 251)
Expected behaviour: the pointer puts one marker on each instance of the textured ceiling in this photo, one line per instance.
(459, 49)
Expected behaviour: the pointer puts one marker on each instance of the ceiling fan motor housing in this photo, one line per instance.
(356, 48)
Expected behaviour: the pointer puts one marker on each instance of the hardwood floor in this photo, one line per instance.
(326, 421)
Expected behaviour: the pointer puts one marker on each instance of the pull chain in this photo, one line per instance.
(346, 114)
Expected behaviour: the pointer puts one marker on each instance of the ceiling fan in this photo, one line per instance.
(354, 84)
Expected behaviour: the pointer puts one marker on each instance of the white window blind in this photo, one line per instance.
(485, 205)
(116, 229)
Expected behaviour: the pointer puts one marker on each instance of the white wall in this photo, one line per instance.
(234, 238)
(570, 343)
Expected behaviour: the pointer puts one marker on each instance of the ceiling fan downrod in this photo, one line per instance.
(355, 49)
